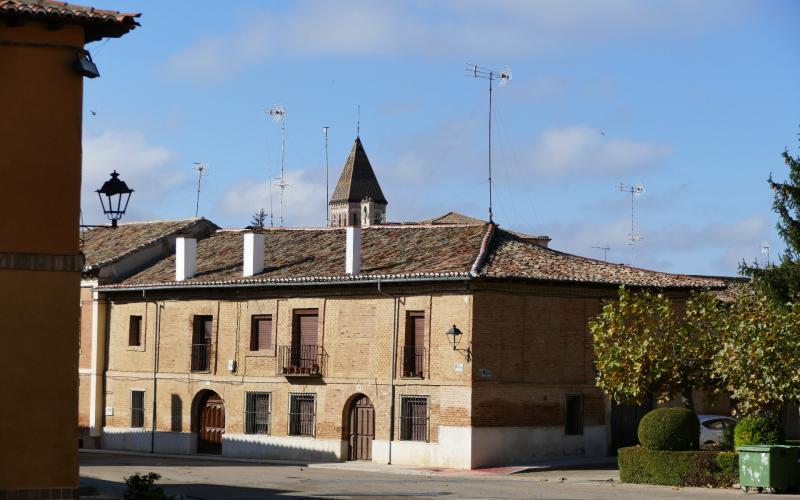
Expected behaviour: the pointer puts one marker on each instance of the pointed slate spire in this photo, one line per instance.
(358, 180)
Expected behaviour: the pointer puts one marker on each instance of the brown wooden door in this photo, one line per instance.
(212, 425)
(362, 429)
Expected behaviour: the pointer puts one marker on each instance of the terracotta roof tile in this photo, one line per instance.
(305, 255)
(403, 251)
(98, 23)
(103, 245)
(510, 256)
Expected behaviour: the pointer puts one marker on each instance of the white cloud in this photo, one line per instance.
(587, 151)
(304, 205)
(146, 168)
(470, 29)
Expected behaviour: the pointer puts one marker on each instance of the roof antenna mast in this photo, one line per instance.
(327, 182)
(605, 250)
(201, 172)
(488, 74)
(633, 238)
(278, 113)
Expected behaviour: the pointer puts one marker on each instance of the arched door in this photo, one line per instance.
(362, 428)
(211, 419)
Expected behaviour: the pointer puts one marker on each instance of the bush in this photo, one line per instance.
(758, 430)
(670, 429)
(142, 487)
(678, 468)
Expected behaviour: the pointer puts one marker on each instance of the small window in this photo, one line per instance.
(261, 333)
(302, 414)
(137, 408)
(256, 413)
(135, 331)
(414, 418)
(574, 415)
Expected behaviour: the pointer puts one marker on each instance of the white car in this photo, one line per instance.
(712, 428)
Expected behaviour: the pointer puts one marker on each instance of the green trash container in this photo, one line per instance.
(772, 468)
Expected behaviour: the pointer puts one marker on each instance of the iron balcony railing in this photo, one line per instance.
(413, 361)
(201, 357)
(301, 360)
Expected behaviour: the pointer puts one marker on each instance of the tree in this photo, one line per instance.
(759, 346)
(645, 346)
(782, 282)
(259, 220)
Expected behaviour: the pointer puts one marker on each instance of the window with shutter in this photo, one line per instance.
(261, 333)
(414, 346)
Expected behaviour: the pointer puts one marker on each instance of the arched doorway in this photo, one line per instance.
(361, 428)
(208, 413)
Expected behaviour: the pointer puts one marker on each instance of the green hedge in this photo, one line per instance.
(678, 468)
(758, 430)
(674, 429)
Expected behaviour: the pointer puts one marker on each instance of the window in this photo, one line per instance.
(574, 414)
(137, 408)
(414, 418)
(261, 332)
(135, 331)
(414, 346)
(256, 413)
(201, 343)
(302, 414)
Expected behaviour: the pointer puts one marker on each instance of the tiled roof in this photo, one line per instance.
(510, 256)
(453, 218)
(317, 255)
(358, 180)
(98, 23)
(421, 252)
(103, 245)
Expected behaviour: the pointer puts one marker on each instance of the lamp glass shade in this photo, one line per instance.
(114, 197)
(455, 335)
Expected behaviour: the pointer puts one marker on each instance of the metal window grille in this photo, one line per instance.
(302, 414)
(257, 413)
(137, 408)
(135, 331)
(574, 414)
(261, 333)
(414, 418)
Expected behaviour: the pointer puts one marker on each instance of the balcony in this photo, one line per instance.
(301, 360)
(413, 362)
(201, 357)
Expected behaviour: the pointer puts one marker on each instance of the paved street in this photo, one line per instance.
(231, 480)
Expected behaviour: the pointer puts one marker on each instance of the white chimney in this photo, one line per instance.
(253, 253)
(353, 251)
(185, 258)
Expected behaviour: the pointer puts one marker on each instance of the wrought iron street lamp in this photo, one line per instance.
(114, 196)
(454, 335)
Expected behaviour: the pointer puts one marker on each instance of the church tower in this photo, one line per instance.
(358, 199)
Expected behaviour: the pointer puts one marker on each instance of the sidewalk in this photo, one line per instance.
(551, 464)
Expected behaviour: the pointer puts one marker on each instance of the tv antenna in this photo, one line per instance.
(634, 191)
(605, 250)
(278, 113)
(201, 169)
(765, 248)
(504, 77)
(327, 183)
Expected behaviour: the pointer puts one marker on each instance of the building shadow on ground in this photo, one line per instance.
(192, 491)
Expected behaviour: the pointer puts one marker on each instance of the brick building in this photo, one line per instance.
(337, 343)
(111, 255)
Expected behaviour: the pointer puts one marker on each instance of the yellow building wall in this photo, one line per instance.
(41, 102)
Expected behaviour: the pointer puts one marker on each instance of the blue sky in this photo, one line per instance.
(694, 100)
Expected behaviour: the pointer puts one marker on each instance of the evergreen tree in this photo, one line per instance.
(781, 282)
(259, 220)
